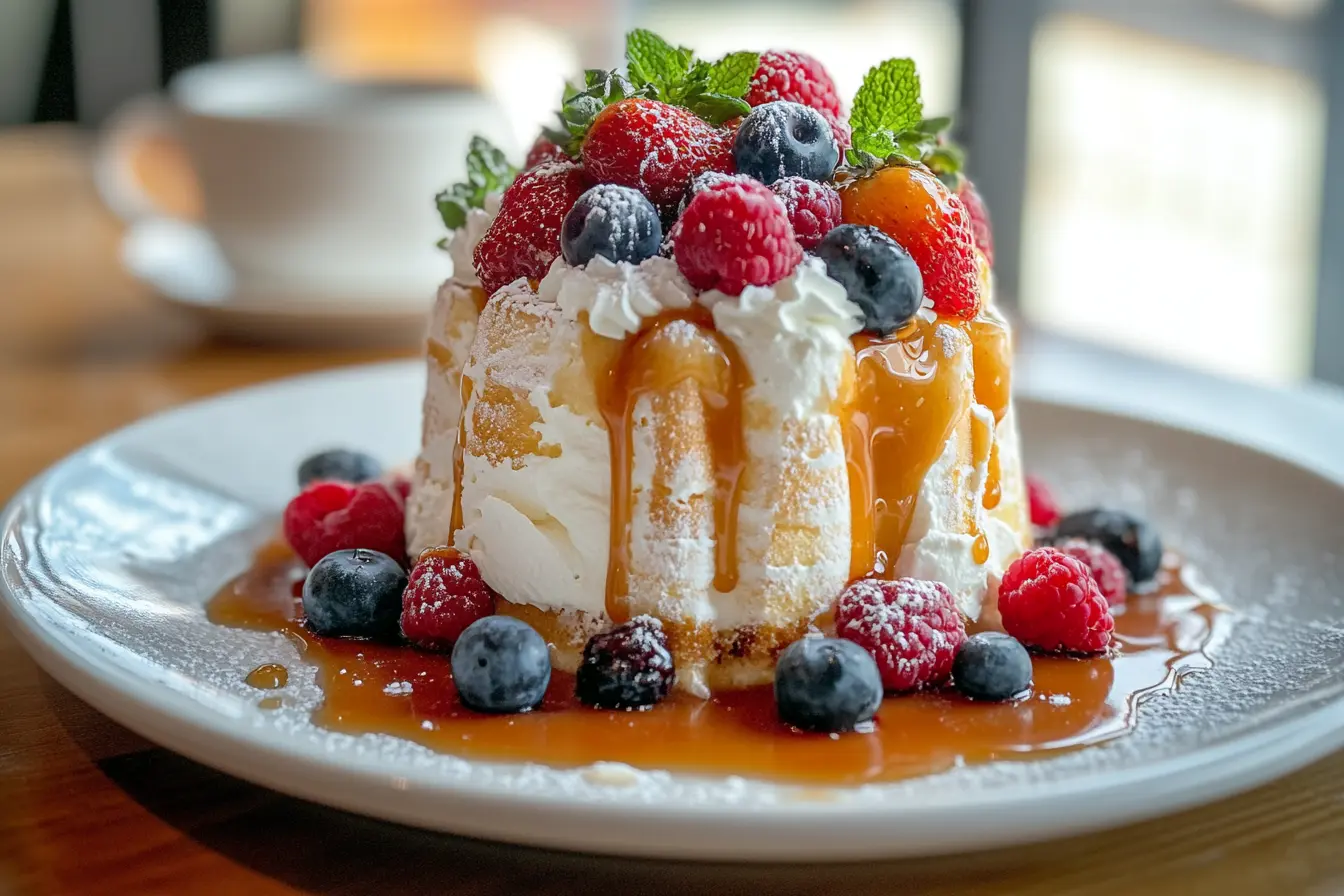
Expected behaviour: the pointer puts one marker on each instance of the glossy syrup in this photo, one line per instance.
(1073, 703)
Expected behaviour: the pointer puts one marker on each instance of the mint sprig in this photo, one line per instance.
(887, 111)
(712, 90)
(488, 171)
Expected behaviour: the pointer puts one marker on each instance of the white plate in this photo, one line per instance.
(107, 558)
(184, 266)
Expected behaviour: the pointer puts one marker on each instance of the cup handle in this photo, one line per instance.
(141, 168)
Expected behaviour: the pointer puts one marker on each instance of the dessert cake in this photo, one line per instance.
(710, 357)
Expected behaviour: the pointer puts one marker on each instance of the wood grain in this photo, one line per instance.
(87, 807)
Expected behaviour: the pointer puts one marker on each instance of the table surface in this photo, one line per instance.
(86, 806)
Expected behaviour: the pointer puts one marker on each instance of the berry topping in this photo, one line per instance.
(524, 238)
(615, 222)
(913, 207)
(798, 78)
(341, 465)
(628, 667)
(1049, 601)
(544, 150)
(814, 209)
(826, 684)
(877, 274)
(1105, 567)
(354, 593)
(334, 516)
(444, 595)
(1132, 540)
(500, 664)
(734, 234)
(991, 666)
(979, 215)
(783, 139)
(654, 148)
(911, 627)
(1044, 507)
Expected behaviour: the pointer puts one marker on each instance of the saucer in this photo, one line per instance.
(107, 560)
(182, 263)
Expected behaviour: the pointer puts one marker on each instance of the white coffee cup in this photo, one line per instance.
(311, 186)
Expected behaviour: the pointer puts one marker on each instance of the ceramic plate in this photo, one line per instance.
(107, 558)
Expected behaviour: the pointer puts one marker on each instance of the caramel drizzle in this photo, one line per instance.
(652, 364)
(459, 456)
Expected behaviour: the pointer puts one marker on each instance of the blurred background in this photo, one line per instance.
(1166, 177)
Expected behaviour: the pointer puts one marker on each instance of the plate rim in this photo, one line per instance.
(171, 719)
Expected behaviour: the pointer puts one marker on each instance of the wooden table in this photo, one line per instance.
(88, 807)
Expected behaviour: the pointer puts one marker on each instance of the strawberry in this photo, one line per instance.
(542, 151)
(524, 238)
(655, 148)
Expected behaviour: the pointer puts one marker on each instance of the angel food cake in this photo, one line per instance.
(710, 359)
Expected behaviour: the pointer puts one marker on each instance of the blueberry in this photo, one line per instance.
(501, 664)
(617, 223)
(877, 273)
(628, 667)
(783, 139)
(340, 464)
(354, 593)
(1125, 535)
(826, 684)
(991, 666)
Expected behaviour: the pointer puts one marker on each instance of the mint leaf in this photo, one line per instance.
(731, 75)
(652, 60)
(716, 108)
(488, 171)
(887, 104)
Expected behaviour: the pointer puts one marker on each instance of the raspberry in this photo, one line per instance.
(734, 234)
(979, 215)
(1049, 601)
(335, 516)
(1105, 567)
(445, 595)
(655, 148)
(911, 627)
(814, 209)
(627, 668)
(1044, 509)
(543, 151)
(797, 77)
(524, 238)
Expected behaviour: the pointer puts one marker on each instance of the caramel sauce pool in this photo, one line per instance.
(1073, 703)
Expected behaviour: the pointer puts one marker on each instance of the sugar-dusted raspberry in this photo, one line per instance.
(797, 77)
(335, 516)
(445, 594)
(911, 627)
(655, 148)
(1050, 602)
(524, 238)
(1105, 567)
(1043, 506)
(734, 234)
(627, 668)
(814, 209)
(543, 151)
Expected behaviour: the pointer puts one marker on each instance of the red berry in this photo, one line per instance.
(1105, 567)
(444, 595)
(543, 151)
(1043, 506)
(911, 627)
(524, 238)
(734, 234)
(655, 148)
(797, 77)
(1049, 601)
(336, 516)
(979, 215)
(814, 209)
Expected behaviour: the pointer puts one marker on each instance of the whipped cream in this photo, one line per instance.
(794, 336)
(462, 241)
(617, 296)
